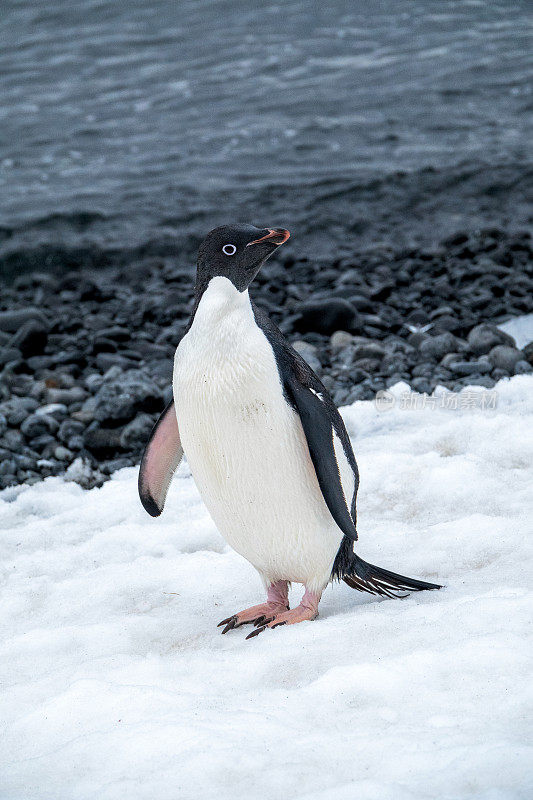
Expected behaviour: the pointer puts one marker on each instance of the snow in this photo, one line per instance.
(117, 683)
(520, 328)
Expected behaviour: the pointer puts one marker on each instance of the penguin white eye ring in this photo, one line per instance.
(280, 479)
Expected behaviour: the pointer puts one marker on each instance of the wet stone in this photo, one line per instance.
(37, 424)
(482, 366)
(523, 367)
(504, 357)
(484, 337)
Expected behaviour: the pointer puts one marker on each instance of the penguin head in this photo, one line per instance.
(237, 252)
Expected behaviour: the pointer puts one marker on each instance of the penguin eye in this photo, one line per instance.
(229, 249)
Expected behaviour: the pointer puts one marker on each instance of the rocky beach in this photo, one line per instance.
(394, 145)
(86, 358)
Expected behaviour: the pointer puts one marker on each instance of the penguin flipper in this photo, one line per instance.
(318, 417)
(160, 460)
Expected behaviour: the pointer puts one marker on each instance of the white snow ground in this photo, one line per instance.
(520, 328)
(117, 683)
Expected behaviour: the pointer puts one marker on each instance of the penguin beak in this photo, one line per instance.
(275, 236)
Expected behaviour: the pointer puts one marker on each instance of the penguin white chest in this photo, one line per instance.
(245, 445)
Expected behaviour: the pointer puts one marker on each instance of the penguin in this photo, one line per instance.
(265, 443)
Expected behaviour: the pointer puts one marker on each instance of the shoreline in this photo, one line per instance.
(86, 360)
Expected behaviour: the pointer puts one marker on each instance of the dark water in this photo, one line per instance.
(130, 128)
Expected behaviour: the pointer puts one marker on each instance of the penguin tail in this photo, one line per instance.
(366, 577)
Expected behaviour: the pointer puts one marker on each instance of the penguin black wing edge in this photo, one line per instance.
(320, 421)
(161, 458)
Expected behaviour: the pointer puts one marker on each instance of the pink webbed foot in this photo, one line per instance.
(307, 610)
(277, 602)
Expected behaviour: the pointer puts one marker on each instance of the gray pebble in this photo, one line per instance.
(505, 357)
(66, 396)
(56, 410)
(62, 454)
(339, 340)
(483, 338)
(136, 433)
(13, 320)
(481, 367)
(37, 424)
(523, 368)
(435, 347)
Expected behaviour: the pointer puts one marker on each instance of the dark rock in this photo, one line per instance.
(121, 400)
(76, 442)
(109, 467)
(451, 358)
(482, 366)
(101, 441)
(37, 363)
(38, 424)
(137, 432)
(367, 364)
(106, 360)
(326, 316)
(9, 354)
(12, 320)
(62, 454)
(3, 424)
(56, 410)
(505, 357)
(528, 352)
(31, 338)
(103, 345)
(24, 462)
(66, 396)
(523, 367)
(422, 370)
(484, 337)
(435, 347)
(368, 349)
(68, 428)
(13, 440)
(446, 323)
(417, 337)
(497, 374)
(116, 333)
(42, 441)
(421, 385)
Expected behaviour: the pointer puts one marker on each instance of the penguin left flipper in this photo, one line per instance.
(161, 458)
(321, 423)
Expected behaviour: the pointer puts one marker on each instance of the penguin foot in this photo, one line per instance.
(277, 602)
(307, 610)
(256, 615)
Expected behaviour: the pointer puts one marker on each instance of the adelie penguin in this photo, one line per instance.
(266, 445)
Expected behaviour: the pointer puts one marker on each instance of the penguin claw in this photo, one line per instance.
(231, 623)
(224, 622)
(277, 624)
(256, 632)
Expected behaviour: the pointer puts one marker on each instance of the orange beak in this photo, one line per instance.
(275, 235)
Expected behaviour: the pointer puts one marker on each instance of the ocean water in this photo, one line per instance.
(135, 127)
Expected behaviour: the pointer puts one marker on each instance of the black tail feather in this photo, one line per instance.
(366, 577)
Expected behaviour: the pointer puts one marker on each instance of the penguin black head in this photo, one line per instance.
(237, 252)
